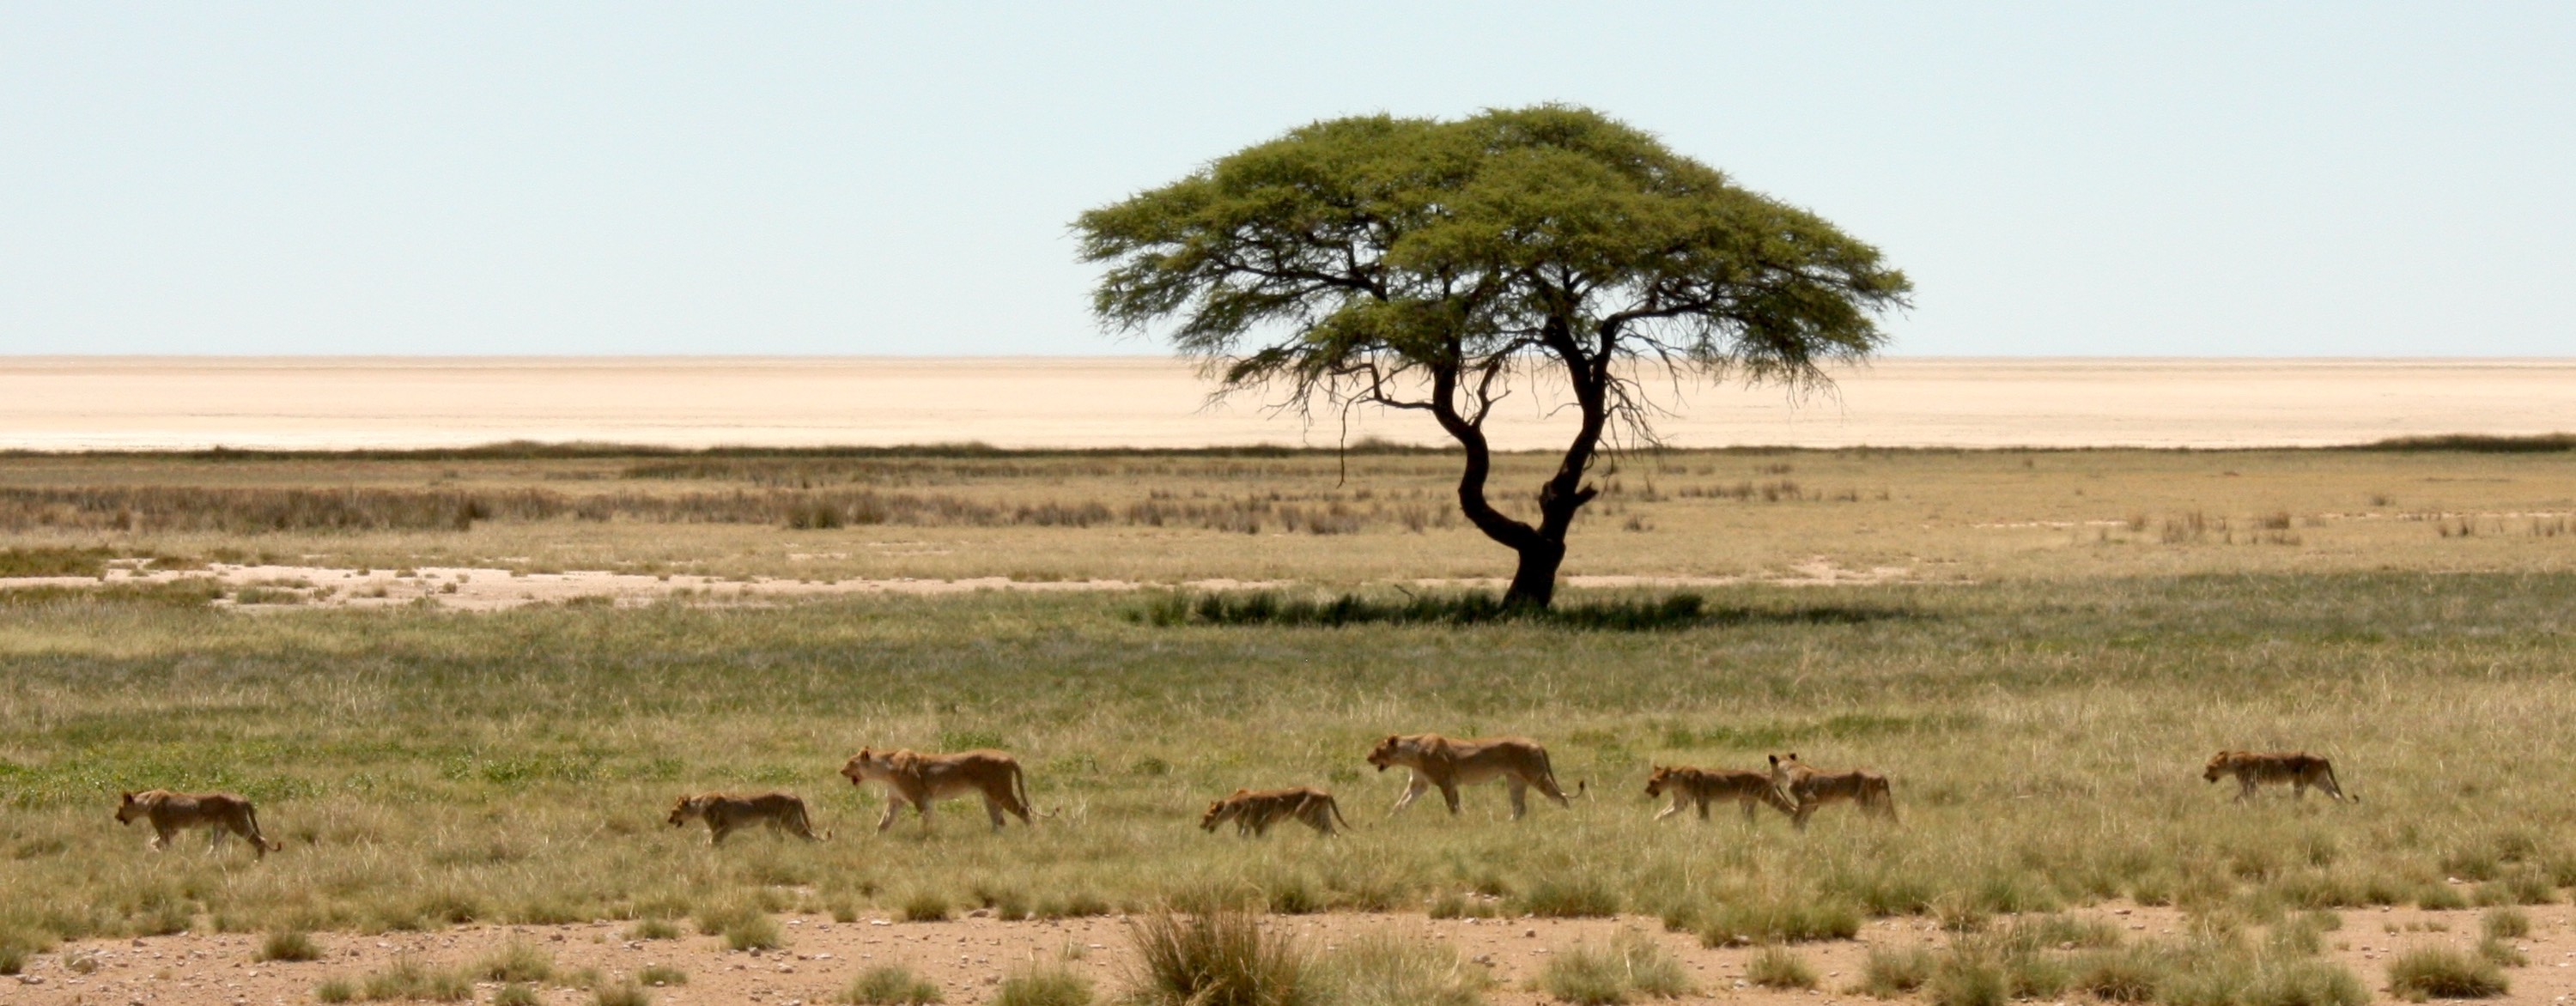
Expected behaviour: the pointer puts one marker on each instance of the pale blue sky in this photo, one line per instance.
(2059, 178)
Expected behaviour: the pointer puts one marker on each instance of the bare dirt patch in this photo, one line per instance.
(968, 957)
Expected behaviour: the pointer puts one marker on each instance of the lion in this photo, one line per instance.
(1440, 761)
(1254, 811)
(726, 813)
(2298, 768)
(919, 779)
(1703, 786)
(220, 813)
(1810, 788)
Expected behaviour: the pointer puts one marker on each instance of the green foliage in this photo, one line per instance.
(1383, 968)
(1633, 963)
(335, 989)
(407, 978)
(42, 560)
(517, 995)
(1219, 958)
(1780, 968)
(2505, 924)
(1049, 986)
(628, 994)
(925, 905)
(1567, 899)
(1779, 920)
(891, 985)
(653, 929)
(516, 961)
(289, 945)
(658, 975)
(1893, 972)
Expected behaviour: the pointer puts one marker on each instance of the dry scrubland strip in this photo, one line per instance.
(1302, 516)
(2044, 741)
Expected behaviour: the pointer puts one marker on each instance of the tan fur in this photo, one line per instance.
(1702, 786)
(1254, 811)
(1440, 761)
(219, 813)
(920, 779)
(726, 813)
(1810, 788)
(2298, 768)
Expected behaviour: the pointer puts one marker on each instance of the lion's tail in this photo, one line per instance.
(1335, 807)
(2338, 785)
(258, 836)
(1020, 789)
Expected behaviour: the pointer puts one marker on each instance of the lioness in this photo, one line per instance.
(918, 779)
(1810, 788)
(222, 813)
(1254, 811)
(1702, 786)
(2298, 768)
(726, 813)
(1449, 764)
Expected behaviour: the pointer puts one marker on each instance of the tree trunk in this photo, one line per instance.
(1534, 583)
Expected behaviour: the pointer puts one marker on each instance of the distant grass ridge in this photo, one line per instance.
(2478, 443)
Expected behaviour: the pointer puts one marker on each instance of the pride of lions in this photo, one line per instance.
(1791, 787)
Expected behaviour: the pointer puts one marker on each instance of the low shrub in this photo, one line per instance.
(1779, 921)
(516, 961)
(1780, 968)
(2444, 973)
(289, 945)
(1387, 969)
(891, 985)
(1045, 986)
(1891, 972)
(1218, 958)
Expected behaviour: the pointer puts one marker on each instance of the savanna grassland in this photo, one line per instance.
(2044, 649)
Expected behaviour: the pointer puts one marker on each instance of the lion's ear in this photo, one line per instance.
(1775, 761)
(127, 796)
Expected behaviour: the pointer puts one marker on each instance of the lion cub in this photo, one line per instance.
(921, 779)
(1253, 811)
(2298, 768)
(1704, 786)
(1810, 788)
(726, 813)
(221, 813)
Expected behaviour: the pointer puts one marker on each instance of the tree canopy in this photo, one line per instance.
(1431, 266)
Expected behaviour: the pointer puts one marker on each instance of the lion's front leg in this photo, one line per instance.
(2244, 788)
(993, 809)
(1412, 792)
(161, 838)
(894, 806)
(1676, 808)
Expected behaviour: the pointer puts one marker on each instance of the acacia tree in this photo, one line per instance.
(1433, 266)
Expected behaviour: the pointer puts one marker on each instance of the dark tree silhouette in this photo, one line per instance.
(1429, 266)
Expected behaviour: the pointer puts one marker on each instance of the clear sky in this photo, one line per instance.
(2277, 179)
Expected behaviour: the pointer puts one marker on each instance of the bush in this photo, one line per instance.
(289, 945)
(653, 929)
(1045, 986)
(1967, 980)
(517, 995)
(2506, 924)
(13, 958)
(1633, 963)
(2444, 973)
(1578, 899)
(2121, 976)
(753, 932)
(408, 978)
(1385, 969)
(2502, 953)
(1890, 973)
(925, 906)
(658, 975)
(891, 985)
(629, 994)
(1780, 968)
(335, 989)
(1780, 922)
(1218, 958)
(515, 962)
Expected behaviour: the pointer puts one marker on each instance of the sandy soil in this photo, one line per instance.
(966, 957)
(58, 403)
(479, 589)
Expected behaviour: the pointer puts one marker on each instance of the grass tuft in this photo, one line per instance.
(289, 945)
(1633, 963)
(1383, 968)
(1778, 967)
(335, 989)
(1779, 920)
(516, 961)
(1892, 973)
(653, 929)
(624, 994)
(658, 975)
(891, 985)
(408, 978)
(2444, 973)
(1050, 985)
(517, 995)
(926, 906)
(1578, 898)
(2505, 924)
(1218, 958)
